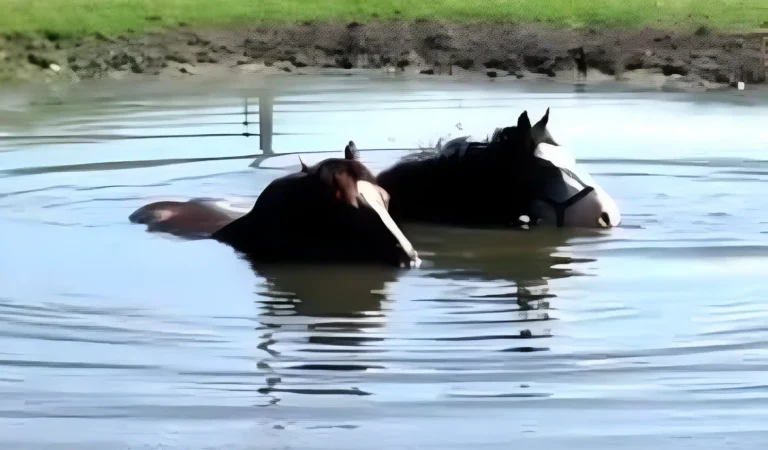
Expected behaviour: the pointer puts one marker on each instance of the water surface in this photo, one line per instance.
(115, 338)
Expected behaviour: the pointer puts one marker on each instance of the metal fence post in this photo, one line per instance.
(266, 113)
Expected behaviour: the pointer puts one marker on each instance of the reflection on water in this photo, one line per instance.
(337, 311)
(113, 337)
(336, 318)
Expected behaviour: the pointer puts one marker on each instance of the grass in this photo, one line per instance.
(113, 17)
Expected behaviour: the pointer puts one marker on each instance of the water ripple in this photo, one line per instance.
(651, 332)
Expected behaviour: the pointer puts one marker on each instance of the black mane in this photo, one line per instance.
(428, 186)
(499, 137)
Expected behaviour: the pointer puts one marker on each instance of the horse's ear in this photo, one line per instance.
(540, 133)
(304, 167)
(350, 151)
(544, 120)
(523, 122)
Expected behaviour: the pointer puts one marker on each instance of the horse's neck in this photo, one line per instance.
(454, 177)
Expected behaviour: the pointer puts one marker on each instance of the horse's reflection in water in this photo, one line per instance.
(507, 273)
(336, 310)
(328, 295)
(325, 325)
(489, 254)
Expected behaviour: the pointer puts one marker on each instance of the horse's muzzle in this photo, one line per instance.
(589, 208)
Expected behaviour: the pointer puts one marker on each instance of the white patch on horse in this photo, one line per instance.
(372, 196)
(563, 159)
(577, 179)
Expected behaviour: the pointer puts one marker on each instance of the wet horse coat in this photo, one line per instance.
(330, 212)
(497, 182)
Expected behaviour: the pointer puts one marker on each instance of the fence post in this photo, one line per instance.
(266, 112)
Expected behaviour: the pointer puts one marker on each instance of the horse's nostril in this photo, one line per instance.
(605, 219)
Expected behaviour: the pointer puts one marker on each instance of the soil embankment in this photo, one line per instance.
(654, 58)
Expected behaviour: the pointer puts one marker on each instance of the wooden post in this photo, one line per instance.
(266, 111)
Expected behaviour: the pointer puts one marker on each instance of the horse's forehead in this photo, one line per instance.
(557, 155)
(561, 158)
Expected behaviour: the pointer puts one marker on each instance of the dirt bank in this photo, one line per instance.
(654, 58)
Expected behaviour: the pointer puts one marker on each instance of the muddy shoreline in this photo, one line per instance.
(660, 59)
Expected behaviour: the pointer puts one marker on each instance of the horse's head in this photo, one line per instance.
(544, 178)
(333, 210)
(565, 194)
(568, 195)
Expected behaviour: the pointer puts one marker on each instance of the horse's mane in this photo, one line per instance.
(499, 136)
(423, 154)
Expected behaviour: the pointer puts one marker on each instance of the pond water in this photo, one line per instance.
(115, 338)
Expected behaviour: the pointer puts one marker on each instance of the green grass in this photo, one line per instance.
(113, 17)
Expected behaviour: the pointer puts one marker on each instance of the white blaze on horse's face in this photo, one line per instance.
(373, 197)
(579, 200)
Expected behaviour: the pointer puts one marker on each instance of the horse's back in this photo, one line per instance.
(406, 180)
(194, 218)
(421, 189)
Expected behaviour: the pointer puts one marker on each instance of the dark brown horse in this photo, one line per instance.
(332, 211)
(520, 171)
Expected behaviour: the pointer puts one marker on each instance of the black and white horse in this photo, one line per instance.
(519, 172)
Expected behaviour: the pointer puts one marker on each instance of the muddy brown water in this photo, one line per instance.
(653, 333)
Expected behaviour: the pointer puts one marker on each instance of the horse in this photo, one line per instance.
(332, 211)
(519, 173)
